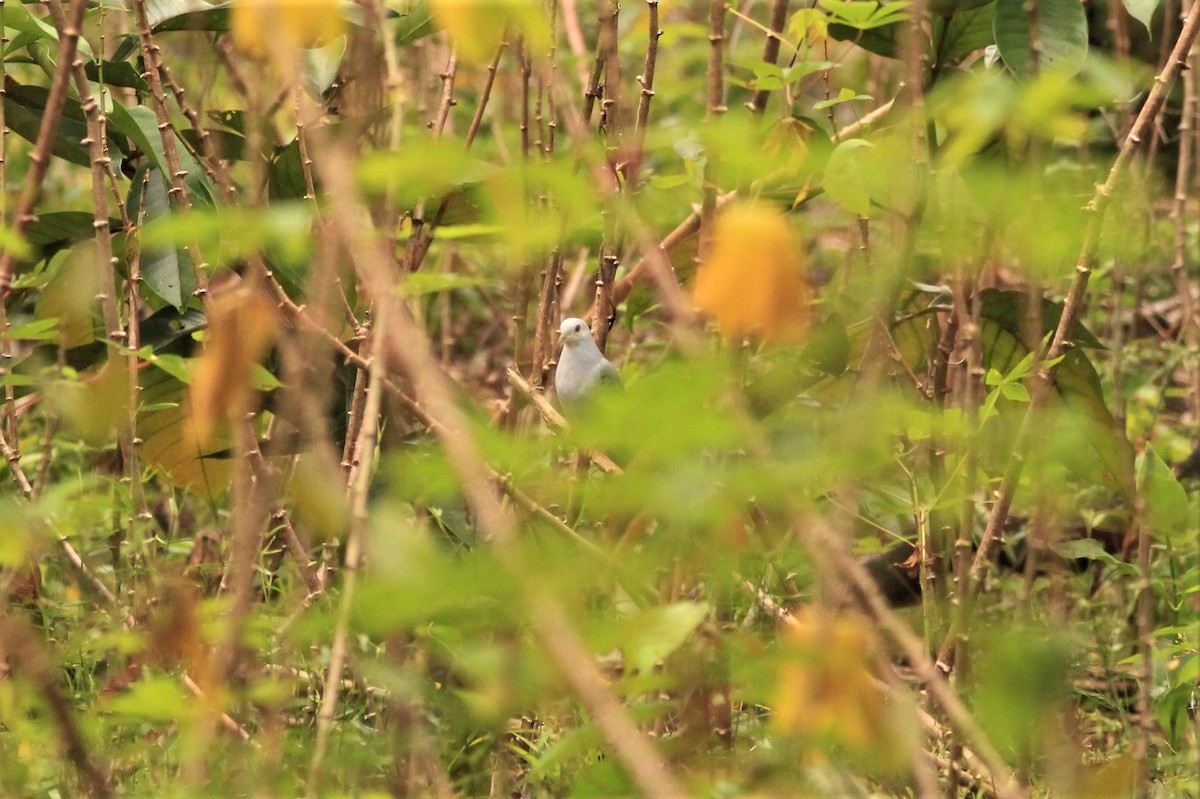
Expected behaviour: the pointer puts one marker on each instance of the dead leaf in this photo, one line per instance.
(241, 327)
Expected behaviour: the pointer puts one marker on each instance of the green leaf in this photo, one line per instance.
(116, 73)
(420, 283)
(866, 15)
(883, 41)
(178, 15)
(24, 107)
(37, 330)
(653, 634)
(17, 17)
(140, 124)
(1015, 392)
(845, 95)
(952, 8)
(166, 271)
(154, 699)
(1167, 509)
(1062, 31)
(965, 32)
(1142, 11)
(846, 175)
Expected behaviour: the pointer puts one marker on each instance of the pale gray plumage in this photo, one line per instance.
(582, 367)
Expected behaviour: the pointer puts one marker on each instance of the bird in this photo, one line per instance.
(582, 367)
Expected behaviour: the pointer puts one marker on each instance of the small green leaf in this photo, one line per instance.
(37, 330)
(656, 633)
(1142, 11)
(1015, 392)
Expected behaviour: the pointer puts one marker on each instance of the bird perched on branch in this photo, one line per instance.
(582, 367)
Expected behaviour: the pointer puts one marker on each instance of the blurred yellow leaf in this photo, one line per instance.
(98, 405)
(1111, 779)
(263, 28)
(241, 326)
(753, 280)
(478, 26)
(826, 694)
(71, 297)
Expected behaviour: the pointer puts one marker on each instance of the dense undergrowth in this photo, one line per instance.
(898, 498)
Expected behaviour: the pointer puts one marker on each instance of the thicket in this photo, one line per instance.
(898, 497)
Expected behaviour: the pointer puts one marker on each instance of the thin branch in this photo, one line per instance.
(360, 478)
(646, 79)
(39, 159)
(779, 9)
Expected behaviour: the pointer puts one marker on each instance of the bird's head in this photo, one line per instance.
(573, 332)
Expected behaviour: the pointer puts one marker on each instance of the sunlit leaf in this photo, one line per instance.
(279, 28)
(478, 26)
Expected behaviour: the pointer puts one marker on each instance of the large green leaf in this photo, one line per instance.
(166, 271)
(116, 73)
(848, 175)
(141, 126)
(967, 31)
(1062, 31)
(176, 15)
(17, 17)
(24, 107)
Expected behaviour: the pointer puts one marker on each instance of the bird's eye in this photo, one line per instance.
(577, 328)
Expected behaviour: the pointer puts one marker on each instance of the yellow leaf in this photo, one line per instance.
(241, 326)
(752, 282)
(263, 28)
(478, 26)
(826, 693)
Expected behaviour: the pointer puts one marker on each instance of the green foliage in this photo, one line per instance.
(188, 598)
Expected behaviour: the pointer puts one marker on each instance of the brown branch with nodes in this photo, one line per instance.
(39, 159)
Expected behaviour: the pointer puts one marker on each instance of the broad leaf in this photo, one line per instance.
(967, 31)
(1142, 11)
(1167, 509)
(1062, 31)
